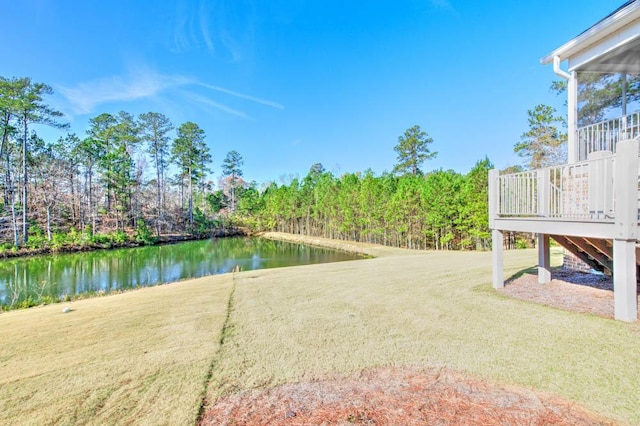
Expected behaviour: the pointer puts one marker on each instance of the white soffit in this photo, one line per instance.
(619, 52)
(602, 38)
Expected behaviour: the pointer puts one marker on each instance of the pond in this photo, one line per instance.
(28, 281)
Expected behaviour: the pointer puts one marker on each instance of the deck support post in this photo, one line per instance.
(497, 245)
(497, 238)
(625, 295)
(544, 259)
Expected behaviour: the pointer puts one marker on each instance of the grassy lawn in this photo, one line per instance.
(145, 356)
(139, 357)
(423, 309)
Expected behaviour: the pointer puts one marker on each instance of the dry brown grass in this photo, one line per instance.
(425, 309)
(139, 357)
(144, 356)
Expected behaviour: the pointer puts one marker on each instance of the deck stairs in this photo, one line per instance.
(595, 252)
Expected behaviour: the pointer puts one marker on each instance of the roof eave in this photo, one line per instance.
(595, 33)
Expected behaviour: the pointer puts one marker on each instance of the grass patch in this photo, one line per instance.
(137, 357)
(144, 356)
(423, 308)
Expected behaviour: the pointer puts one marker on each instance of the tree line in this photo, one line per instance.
(117, 178)
(406, 208)
(442, 209)
(144, 174)
(125, 173)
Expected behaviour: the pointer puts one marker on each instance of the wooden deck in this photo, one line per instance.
(590, 207)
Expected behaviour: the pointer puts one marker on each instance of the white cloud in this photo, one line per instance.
(184, 34)
(86, 97)
(203, 100)
(204, 27)
(191, 28)
(243, 96)
(219, 27)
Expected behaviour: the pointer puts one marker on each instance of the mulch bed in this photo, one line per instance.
(396, 396)
(568, 290)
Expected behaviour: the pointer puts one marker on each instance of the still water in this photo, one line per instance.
(57, 276)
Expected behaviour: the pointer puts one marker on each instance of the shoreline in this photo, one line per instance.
(23, 252)
(364, 249)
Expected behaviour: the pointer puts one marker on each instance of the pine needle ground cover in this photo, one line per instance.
(152, 356)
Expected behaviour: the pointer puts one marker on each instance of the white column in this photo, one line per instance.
(544, 259)
(625, 297)
(498, 258)
(623, 79)
(494, 199)
(572, 118)
(624, 241)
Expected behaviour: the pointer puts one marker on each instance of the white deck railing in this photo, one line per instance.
(604, 136)
(581, 190)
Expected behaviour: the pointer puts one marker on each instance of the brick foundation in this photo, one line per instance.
(570, 261)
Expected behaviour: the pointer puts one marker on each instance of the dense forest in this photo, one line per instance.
(406, 208)
(110, 185)
(439, 210)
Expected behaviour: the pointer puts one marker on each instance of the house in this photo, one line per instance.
(589, 205)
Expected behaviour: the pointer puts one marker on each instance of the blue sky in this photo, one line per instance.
(290, 83)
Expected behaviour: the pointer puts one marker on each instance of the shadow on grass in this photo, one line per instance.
(593, 280)
(587, 279)
(527, 271)
(488, 287)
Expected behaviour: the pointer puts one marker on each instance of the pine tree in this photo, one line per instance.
(191, 155)
(231, 168)
(155, 130)
(30, 109)
(413, 150)
(544, 144)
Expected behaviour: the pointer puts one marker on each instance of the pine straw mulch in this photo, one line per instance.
(396, 396)
(568, 290)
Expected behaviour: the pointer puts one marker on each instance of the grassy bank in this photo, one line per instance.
(137, 357)
(144, 356)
